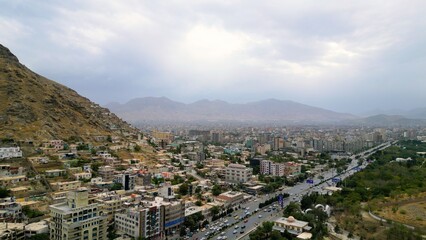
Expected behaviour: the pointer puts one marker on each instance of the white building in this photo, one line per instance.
(83, 175)
(238, 173)
(10, 152)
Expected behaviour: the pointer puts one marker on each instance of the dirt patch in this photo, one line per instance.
(413, 214)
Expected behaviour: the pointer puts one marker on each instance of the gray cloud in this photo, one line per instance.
(333, 54)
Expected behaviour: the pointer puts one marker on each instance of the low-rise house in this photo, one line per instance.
(7, 171)
(10, 209)
(19, 190)
(66, 186)
(96, 180)
(55, 173)
(36, 228)
(82, 175)
(13, 231)
(291, 225)
(10, 181)
(58, 197)
(10, 152)
(230, 198)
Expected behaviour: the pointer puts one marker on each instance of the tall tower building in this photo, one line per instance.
(76, 219)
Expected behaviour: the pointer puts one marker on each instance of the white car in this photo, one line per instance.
(260, 216)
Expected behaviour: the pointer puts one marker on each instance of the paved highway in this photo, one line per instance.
(269, 213)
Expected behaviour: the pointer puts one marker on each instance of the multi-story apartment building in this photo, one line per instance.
(156, 218)
(278, 143)
(238, 173)
(76, 219)
(174, 215)
(127, 180)
(106, 172)
(268, 167)
(141, 222)
(292, 168)
(113, 203)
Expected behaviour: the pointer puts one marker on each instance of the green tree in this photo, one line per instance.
(116, 186)
(183, 189)
(216, 190)
(214, 210)
(4, 193)
(41, 236)
(31, 213)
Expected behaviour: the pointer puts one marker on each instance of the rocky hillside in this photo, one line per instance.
(36, 108)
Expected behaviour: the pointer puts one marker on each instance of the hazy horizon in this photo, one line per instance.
(346, 57)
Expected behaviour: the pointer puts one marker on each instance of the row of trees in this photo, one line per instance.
(272, 200)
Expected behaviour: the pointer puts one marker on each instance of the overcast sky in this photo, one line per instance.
(348, 56)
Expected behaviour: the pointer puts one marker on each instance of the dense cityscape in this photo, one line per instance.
(192, 183)
(212, 120)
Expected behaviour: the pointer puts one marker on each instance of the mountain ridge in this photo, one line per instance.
(163, 109)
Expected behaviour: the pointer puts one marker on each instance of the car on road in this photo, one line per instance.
(244, 226)
(260, 216)
(236, 227)
(242, 231)
(245, 221)
(234, 232)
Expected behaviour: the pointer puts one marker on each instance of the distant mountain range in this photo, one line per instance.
(383, 120)
(416, 113)
(36, 108)
(270, 110)
(163, 110)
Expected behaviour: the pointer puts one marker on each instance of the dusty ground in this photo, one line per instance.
(362, 226)
(409, 213)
